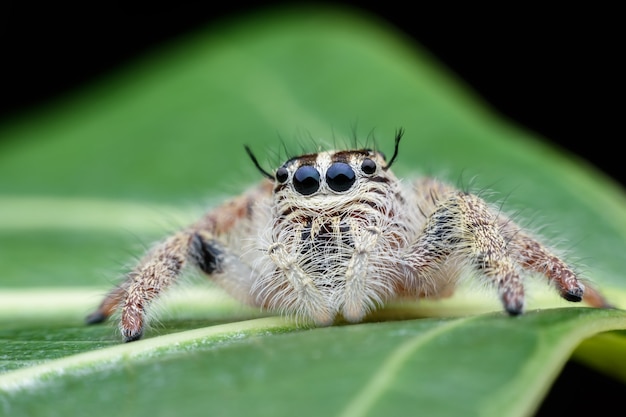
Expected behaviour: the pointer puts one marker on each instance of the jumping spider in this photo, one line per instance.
(334, 234)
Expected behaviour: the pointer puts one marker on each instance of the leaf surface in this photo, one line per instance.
(87, 184)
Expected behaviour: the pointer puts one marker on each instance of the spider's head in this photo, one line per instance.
(338, 173)
(331, 173)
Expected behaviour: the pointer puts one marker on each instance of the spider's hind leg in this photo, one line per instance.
(108, 306)
(533, 256)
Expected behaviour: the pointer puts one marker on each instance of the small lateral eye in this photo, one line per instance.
(306, 180)
(282, 175)
(340, 176)
(368, 166)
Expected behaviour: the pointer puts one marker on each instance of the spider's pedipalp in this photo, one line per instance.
(356, 289)
(306, 299)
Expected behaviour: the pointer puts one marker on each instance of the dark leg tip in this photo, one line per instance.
(574, 295)
(96, 317)
(130, 336)
(514, 310)
(513, 302)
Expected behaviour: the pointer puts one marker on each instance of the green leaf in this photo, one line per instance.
(88, 183)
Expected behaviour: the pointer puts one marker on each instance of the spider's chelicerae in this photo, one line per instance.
(336, 234)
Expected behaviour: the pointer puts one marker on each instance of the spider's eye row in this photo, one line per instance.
(368, 166)
(340, 176)
(306, 180)
(282, 175)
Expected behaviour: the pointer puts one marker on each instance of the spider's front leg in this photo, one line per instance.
(157, 271)
(198, 245)
(462, 230)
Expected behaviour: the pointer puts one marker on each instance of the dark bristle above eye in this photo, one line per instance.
(257, 164)
(399, 134)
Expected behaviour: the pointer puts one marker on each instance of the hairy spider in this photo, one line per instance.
(336, 234)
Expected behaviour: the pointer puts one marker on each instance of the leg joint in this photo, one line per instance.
(207, 253)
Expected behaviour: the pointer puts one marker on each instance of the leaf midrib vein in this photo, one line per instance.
(383, 378)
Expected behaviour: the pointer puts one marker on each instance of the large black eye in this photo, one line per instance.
(368, 166)
(306, 180)
(340, 176)
(282, 175)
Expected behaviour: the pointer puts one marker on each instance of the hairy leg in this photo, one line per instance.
(461, 227)
(157, 271)
(533, 256)
(461, 230)
(197, 245)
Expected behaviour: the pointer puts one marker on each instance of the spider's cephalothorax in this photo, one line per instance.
(338, 220)
(336, 234)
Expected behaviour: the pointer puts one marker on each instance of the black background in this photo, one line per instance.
(556, 72)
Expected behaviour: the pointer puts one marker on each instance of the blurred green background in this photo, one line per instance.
(90, 179)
